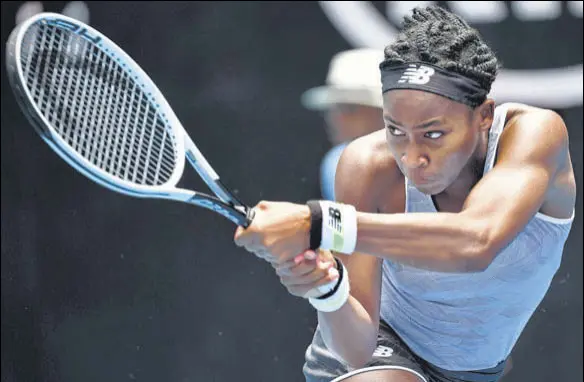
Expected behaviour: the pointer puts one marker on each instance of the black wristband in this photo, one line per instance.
(334, 290)
(315, 224)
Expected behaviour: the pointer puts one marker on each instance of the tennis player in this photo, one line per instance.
(448, 225)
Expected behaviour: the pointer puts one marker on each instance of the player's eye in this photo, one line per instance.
(434, 134)
(395, 132)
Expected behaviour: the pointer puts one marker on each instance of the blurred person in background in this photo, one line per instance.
(75, 9)
(351, 104)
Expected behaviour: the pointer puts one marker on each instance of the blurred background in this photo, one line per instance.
(98, 286)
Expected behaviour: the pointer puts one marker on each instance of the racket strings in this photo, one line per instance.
(96, 106)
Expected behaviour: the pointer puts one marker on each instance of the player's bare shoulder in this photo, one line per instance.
(539, 131)
(525, 123)
(367, 172)
(532, 119)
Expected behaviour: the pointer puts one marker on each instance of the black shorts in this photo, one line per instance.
(391, 353)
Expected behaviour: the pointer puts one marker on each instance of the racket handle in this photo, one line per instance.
(250, 214)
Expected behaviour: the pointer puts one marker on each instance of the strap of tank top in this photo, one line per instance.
(494, 134)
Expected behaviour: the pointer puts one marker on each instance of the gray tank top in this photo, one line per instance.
(471, 321)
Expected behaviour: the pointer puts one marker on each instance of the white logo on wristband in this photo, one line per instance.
(339, 227)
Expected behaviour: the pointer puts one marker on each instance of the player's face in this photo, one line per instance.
(431, 137)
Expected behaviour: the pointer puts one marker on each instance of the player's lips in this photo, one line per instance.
(420, 178)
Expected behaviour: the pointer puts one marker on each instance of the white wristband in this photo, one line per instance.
(337, 299)
(339, 227)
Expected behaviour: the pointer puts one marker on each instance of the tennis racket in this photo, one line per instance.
(96, 108)
(101, 113)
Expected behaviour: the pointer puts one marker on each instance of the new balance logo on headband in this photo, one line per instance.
(416, 75)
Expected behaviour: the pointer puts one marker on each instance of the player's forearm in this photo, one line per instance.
(446, 242)
(349, 332)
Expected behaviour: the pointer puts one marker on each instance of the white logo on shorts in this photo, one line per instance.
(383, 351)
(415, 75)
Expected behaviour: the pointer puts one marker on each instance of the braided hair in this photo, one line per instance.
(441, 38)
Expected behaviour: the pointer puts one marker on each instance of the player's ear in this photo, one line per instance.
(484, 114)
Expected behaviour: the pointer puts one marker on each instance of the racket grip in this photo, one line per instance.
(250, 214)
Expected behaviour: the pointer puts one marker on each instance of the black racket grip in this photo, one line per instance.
(249, 217)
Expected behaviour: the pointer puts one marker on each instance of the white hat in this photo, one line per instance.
(353, 77)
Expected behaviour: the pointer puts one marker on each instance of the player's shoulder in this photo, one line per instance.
(533, 132)
(526, 120)
(366, 167)
(540, 137)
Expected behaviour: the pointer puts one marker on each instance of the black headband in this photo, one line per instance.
(433, 79)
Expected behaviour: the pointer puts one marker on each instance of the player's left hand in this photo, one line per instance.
(279, 231)
(308, 271)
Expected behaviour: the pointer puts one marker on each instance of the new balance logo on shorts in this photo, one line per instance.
(416, 75)
(383, 351)
(335, 220)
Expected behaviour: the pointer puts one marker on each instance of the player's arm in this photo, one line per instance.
(351, 331)
(531, 152)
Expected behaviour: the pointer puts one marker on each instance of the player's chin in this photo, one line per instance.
(433, 188)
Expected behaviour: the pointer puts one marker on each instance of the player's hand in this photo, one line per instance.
(306, 272)
(279, 231)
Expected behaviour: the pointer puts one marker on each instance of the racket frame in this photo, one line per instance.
(225, 203)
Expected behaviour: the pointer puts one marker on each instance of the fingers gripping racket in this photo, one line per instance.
(96, 108)
(101, 113)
